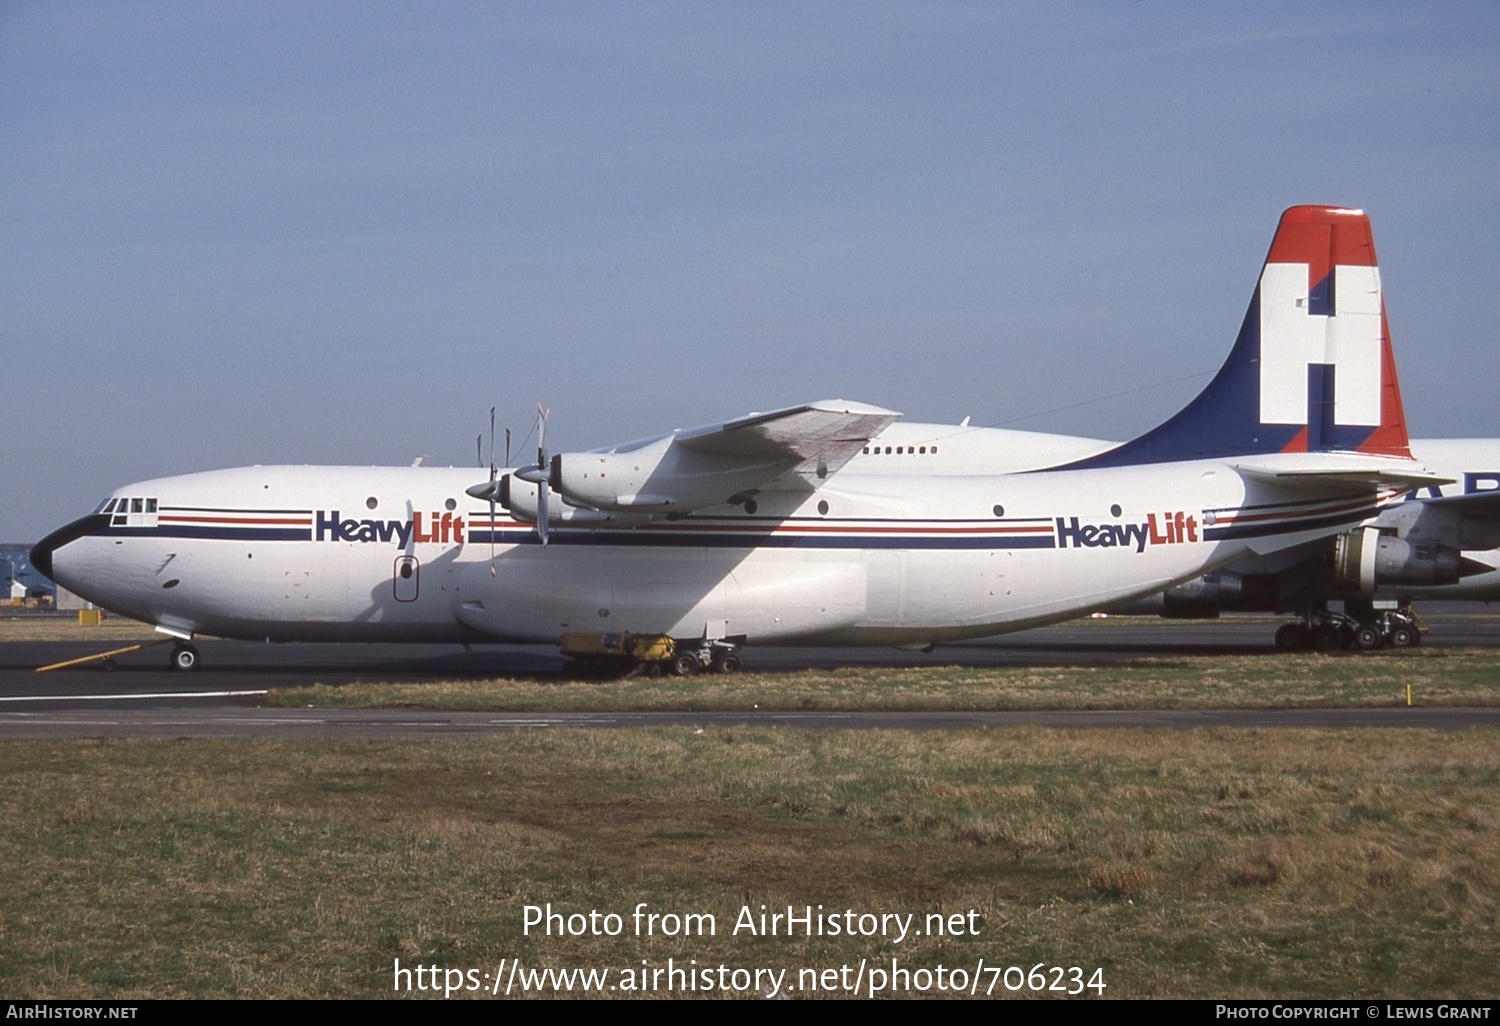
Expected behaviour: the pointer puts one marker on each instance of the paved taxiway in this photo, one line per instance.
(142, 698)
(294, 724)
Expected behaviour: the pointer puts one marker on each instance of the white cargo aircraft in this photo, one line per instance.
(827, 523)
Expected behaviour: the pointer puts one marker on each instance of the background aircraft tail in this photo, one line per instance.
(1312, 369)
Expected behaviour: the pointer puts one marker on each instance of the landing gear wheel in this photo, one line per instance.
(1405, 637)
(1367, 637)
(685, 664)
(1325, 637)
(184, 658)
(1291, 637)
(729, 663)
(107, 664)
(652, 671)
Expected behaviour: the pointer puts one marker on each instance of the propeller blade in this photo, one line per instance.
(541, 512)
(493, 489)
(541, 470)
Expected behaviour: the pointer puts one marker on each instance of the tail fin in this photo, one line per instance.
(1312, 369)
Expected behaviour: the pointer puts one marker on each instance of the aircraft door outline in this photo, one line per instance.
(405, 578)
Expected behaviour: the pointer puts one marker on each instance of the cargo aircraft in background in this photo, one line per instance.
(828, 523)
(1442, 542)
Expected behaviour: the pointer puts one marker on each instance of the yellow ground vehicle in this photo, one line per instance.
(649, 654)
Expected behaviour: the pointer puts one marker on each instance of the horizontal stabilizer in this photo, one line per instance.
(1354, 479)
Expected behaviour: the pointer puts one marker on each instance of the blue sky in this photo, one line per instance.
(341, 232)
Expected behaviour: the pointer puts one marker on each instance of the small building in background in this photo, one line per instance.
(25, 584)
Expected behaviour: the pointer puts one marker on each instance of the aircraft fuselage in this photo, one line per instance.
(880, 557)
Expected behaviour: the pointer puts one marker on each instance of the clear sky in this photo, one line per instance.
(237, 233)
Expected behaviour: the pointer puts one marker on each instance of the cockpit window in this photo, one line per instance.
(130, 512)
(106, 506)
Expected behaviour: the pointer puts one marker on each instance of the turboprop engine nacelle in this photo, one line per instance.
(656, 476)
(519, 498)
(1367, 558)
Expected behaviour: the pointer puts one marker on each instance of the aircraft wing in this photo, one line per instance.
(720, 463)
(821, 436)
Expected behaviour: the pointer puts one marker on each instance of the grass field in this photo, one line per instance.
(1204, 863)
(1181, 864)
(1450, 676)
(59, 627)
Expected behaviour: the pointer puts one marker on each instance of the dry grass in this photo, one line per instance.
(1445, 676)
(1184, 864)
(60, 627)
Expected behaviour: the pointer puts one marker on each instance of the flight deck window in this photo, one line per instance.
(131, 512)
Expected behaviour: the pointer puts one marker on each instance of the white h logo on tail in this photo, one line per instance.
(1292, 337)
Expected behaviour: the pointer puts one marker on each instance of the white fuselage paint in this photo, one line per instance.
(898, 548)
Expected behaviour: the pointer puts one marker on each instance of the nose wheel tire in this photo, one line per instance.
(184, 658)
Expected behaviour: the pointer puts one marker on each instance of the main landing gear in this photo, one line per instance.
(1323, 631)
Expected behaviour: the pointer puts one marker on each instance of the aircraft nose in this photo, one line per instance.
(41, 552)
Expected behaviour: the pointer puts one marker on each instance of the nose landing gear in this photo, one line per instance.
(184, 657)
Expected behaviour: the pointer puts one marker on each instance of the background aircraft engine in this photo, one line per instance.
(1201, 598)
(1366, 558)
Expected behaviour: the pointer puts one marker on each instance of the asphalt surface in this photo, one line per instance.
(143, 698)
(294, 724)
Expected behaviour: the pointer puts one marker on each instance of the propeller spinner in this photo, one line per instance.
(497, 489)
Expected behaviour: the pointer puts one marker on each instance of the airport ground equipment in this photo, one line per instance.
(651, 655)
